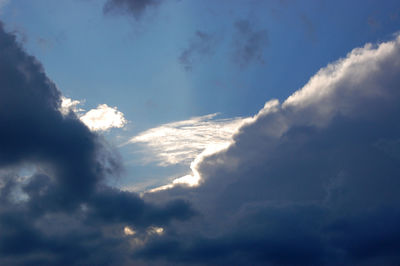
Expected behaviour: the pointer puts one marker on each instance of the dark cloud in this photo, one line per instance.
(312, 181)
(56, 208)
(136, 8)
(202, 44)
(248, 44)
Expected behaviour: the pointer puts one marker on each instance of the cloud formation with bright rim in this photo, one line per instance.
(181, 142)
(101, 118)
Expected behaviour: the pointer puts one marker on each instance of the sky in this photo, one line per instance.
(184, 132)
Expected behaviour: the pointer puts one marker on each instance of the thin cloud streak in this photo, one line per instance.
(181, 142)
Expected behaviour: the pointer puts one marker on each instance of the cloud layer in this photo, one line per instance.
(311, 181)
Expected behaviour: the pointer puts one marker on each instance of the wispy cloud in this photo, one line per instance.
(202, 44)
(248, 43)
(183, 141)
(136, 8)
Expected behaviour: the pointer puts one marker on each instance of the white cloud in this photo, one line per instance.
(129, 231)
(101, 118)
(188, 141)
(342, 85)
(183, 141)
(69, 105)
(155, 230)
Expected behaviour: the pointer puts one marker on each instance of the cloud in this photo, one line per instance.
(248, 44)
(311, 181)
(182, 141)
(202, 44)
(309, 27)
(136, 8)
(103, 118)
(55, 205)
(68, 105)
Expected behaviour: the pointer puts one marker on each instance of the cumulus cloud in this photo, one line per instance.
(248, 43)
(68, 105)
(136, 8)
(311, 181)
(55, 205)
(103, 118)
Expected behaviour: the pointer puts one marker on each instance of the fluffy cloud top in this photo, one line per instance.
(103, 118)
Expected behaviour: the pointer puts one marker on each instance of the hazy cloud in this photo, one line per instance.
(136, 8)
(248, 43)
(202, 44)
(309, 27)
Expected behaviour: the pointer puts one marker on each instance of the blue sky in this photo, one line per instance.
(246, 111)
